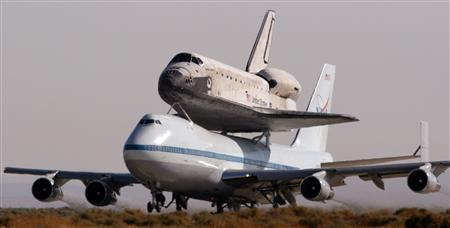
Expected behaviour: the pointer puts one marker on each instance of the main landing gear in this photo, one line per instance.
(276, 200)
(232, 206)
(219, 206)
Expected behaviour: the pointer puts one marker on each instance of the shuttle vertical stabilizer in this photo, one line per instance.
(259, 58)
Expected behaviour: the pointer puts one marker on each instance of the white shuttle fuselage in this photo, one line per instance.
(174, 154)
(219, 97)
(192, 73)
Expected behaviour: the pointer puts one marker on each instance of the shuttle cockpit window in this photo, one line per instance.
(197, 61)
(149, 122)
(182, 57)
(186, 57)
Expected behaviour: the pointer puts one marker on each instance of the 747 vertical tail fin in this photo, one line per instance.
(424, 142)
(315, 138)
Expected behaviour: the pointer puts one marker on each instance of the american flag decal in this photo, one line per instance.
(327, 77)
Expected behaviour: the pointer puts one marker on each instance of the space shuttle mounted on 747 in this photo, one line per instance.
(166, 153)
(223, 98)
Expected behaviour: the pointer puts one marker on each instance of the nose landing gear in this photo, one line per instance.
(149, 207)
(158, 201)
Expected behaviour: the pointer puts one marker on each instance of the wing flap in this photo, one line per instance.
(370, 161)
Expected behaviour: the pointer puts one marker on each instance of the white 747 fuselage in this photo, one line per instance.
(178, 156)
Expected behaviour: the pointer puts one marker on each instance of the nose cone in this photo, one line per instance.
(174, 77)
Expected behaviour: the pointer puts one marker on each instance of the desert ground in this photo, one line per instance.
(280, 217)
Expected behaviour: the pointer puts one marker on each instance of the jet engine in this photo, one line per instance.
(423, 181)
(281, 83)
(99, 193)
(316, 189)
(46, 190)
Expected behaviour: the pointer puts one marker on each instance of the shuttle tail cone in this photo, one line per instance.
(424, 142)
(315, 138)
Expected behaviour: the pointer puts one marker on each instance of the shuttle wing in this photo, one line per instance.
(336, 176)
(234, 117)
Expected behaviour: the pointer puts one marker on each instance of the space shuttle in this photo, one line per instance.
(223, 98)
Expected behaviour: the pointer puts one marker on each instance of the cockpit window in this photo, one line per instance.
(182, 57)
(186, 57)
(197, 60)
(149, 121)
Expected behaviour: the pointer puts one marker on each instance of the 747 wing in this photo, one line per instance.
(101, 188)
(317, 183)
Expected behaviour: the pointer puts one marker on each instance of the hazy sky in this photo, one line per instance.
(77, 76)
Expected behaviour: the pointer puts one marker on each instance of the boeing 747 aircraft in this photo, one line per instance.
(170, 153)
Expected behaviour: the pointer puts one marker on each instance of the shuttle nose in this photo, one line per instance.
(174, 77)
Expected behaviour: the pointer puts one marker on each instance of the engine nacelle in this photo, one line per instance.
(281, 83)
(99, 193)
(423, 181)
(316, 189)
(46, 190)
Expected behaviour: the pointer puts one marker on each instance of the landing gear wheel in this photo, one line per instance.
(235, 207)
(178, 207)
(160, 201)
(181, 202)
(279, 200)
(158, 207)
(149, 207)
(184, 202)
(219, 207)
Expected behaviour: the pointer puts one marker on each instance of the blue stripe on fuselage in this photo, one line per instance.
(208, 154)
